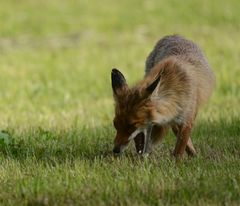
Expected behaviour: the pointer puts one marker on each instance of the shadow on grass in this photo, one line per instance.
(212, 140)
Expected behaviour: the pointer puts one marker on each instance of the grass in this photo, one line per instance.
(56, 103)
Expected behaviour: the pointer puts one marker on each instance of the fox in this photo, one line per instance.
(178, 80)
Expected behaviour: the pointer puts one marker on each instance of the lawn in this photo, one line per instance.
(56, 104)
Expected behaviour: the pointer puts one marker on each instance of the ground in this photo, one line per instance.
(56, 103)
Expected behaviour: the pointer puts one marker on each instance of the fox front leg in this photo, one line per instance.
(148, 139)
(143, 140)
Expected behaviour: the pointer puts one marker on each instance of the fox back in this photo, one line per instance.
(187, 80)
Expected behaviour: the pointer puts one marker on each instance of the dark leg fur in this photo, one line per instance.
(184, 142)
(158, 133)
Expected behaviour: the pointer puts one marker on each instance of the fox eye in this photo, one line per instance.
(131, 126)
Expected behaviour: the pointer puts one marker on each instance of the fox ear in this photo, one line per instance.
(118, 81)
(150, 88)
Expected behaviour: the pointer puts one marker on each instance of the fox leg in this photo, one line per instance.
(158, 133)
(189, 147)
(154, 134)
(148, 139)
(184, 142)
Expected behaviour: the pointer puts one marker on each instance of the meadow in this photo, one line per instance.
(56, 105)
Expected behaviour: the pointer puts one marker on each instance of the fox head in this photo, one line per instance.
(133, 108)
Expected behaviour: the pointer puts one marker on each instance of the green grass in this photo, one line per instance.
(56, 103)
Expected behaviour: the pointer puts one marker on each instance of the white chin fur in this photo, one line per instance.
(135, 133)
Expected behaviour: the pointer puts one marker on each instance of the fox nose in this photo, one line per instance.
(116, 150)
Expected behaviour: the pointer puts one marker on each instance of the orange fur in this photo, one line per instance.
(170, 94)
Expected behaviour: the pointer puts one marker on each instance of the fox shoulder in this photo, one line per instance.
(176, 90)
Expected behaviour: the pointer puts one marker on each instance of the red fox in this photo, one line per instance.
(178, 80)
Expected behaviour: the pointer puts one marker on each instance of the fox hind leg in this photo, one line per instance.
(190, 148)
